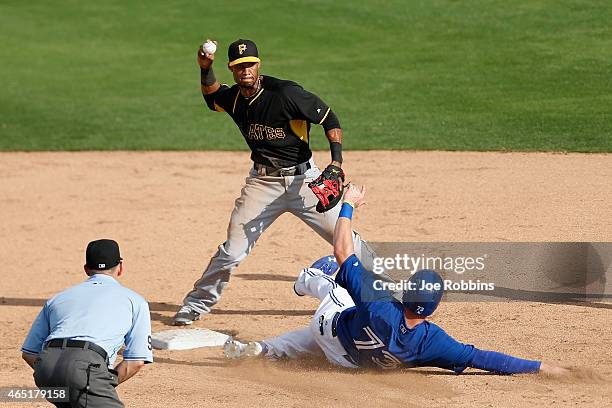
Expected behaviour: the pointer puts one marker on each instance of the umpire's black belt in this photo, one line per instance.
(87, 345)
(298, 170)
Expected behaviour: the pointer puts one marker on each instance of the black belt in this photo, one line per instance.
(298, 170)
(87, 345)
(334, 325)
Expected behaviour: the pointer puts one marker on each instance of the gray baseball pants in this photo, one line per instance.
(261, 202)
(84, 372)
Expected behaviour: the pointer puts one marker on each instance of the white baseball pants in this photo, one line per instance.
(318, 336)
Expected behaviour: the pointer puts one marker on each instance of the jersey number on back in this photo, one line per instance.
(387, 360)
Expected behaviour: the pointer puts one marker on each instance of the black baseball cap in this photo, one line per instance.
(102, 254)
(242, 51)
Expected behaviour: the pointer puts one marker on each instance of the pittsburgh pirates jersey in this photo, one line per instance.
(275, 121)
(374, 331)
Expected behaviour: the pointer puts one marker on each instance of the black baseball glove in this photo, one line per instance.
(328, 187)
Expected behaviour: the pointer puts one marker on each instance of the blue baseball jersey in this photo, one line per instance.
(98, 310)
(374, 331)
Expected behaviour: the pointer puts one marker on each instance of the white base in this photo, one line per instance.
(183, 339)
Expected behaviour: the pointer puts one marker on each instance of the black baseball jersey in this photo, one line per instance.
(275, 122)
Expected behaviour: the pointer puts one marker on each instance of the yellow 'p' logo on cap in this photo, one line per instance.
(241, 48)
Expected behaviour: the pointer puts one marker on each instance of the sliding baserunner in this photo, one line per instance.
(358, 326)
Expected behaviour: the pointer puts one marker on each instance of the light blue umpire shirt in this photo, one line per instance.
(99, 310)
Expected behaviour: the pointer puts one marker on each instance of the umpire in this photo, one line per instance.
(75, 338)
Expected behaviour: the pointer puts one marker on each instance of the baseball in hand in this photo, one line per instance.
(209, 47)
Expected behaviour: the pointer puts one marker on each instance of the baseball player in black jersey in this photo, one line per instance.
(274, 117)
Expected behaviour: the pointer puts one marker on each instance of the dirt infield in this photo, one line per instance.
(169, 211)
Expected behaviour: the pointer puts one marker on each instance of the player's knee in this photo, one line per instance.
(230, 252)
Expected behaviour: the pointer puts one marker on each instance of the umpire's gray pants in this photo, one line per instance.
(76, 368)
(261, 202)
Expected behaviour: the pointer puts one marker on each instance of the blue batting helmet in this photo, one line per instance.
(424, 295)
(327, 265)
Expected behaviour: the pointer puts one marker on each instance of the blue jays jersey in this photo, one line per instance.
(374, 331)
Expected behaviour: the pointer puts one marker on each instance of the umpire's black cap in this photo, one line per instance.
(242, 51)
(102, 254)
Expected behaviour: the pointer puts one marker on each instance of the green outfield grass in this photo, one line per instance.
(429, 74)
